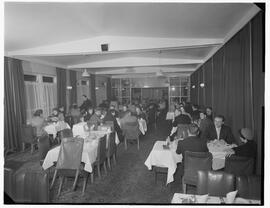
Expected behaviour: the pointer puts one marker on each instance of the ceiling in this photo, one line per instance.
(142, 37)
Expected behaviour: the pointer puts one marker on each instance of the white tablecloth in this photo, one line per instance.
(142, 126)
(170, 116)
(53, 128)
(102, 133)
(218, 151)
(178, 199)
(89, 155)
(78, 130)
(164, 158)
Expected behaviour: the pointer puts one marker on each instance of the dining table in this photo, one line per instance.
(164, 156)
(218, 149)
(179, 198)
(54, 127)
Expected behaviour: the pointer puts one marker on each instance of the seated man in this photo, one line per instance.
(219, 131)
(95, 119)
(248, 148)
(192, 143)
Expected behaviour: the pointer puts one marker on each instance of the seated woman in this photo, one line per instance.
(95, 119)
(54, 116)
(139, 113)
(88, 114)
(248, 148)
(38, 121)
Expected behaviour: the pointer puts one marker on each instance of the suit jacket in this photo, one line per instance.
(191, 143)
(225, 134)
(248, 149)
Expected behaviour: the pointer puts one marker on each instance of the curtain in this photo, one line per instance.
(61, 87)
(40, 96)
(109, 89)
(237, 81)
(73, 83)
(93, 89)
(14, 103)
(257, 44)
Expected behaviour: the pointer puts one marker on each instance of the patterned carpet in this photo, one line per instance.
(128, 182)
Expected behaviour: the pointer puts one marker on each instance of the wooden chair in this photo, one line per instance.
(101, 156)
(29, 136)
(249, 186)
(193, 162)
(131, 131)
(215, 183)
(159, 170)
(69, 162)
(43, 147)
(64, 134)
(111, 151)
(239, 165)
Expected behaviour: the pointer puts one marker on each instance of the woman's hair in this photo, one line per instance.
(38, 112)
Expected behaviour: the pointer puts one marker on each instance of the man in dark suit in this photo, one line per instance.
(192, 143)
(219, 131)
(86, 104)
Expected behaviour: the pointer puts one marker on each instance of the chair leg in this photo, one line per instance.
(23, 146)
(109, 163)
(155, 176)
(98, 168)
(104, 167)
(92, 177)
(114, 158)
(184, 186)
(32, 148)
(125, 144)
(76, 179)
(54, 177)
(138, 143)
(85, 182)
(60, 186)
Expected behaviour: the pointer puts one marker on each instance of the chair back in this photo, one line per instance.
(239, 165)
(215, 183)
(28, 133)
(195, 161)
(70, 153)
(111, 144)
(65, 133)
(182, 130)
(131, 130)
(249, 186)
(43, 145)
(101, 154)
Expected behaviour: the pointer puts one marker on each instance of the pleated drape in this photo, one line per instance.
(61, 87)
(14, 104)
(73, 83)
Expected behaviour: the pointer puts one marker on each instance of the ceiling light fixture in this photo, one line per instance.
(85, 73)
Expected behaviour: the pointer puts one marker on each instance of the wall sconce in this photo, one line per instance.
(96, 88)
(173, 88)
(193, 87)
(202, 85)
(69, 87)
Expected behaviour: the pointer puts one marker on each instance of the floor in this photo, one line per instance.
(129, 182)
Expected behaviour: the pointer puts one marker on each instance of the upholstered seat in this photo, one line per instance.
(249, 186)
(215, 183)
(239, 165)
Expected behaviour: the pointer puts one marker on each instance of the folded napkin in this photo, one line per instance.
(201, 198)
(231, 196)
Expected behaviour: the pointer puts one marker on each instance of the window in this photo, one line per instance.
(30, 78)
(47, 79)
(41, 93)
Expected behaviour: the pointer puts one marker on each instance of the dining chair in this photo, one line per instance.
(28, 136)
(111, 151)
(239, 165)
(131, 131)
(159, 170)
(101, 156)
(43, 147)
(249, 186)
(64, 134)
(193, 162)
(215, 183)
(69, 162)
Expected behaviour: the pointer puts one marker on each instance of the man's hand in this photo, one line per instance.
(229, 152)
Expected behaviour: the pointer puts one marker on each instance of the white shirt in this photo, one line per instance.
(218, 132)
